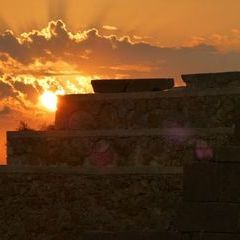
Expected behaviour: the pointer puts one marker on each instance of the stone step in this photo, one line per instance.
(179, 107)
(156, 147)
(63, 202)
(126, 236)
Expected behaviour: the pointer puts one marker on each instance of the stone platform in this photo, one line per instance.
(156, 147)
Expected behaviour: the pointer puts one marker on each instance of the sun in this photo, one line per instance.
(49, 101)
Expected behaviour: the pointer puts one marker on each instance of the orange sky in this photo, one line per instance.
(170, 22)
(60, 45)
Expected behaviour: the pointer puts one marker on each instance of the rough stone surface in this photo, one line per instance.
(173, 108)
(40, 203)
(201, 183)
(228, 154)
(212, 182)
(212, 80)
(210, 217)
(211, 200)
(132, 85)
(216, 236)
(158, 148)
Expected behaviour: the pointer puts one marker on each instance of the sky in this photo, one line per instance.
(58, 46)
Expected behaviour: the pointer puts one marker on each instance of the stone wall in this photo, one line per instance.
(113, 169)
(68, 203)
(179, 107)
(157, 148)
(212, 80)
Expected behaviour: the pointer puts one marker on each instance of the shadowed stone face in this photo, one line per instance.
(81, 120)
(132, 85)
(212, 80)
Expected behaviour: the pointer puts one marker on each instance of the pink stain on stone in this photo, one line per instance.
(102, 155)
(203, 151)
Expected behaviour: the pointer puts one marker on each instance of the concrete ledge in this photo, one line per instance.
(92, 171)
(130, 235)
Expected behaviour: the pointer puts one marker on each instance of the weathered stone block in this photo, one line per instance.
(212, 182)
(215, 236)
(201, 183)
(228, 154)
(229, 180)
(209, 217)
(132, 85)
(212, 80)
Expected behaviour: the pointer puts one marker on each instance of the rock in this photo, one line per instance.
(132, 85)
(81, 120)
(212, 80)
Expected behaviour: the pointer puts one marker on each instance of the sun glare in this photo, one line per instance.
(49, 101)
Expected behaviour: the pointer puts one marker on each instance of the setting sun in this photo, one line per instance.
(49, 101)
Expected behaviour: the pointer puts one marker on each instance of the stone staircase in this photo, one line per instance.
(113, 168)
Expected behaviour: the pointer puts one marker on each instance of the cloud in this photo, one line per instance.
(6, 90)
(5, 111)
(91, 53)
(110, 28)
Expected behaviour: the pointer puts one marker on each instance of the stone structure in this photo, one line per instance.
(212, 80)
(113, 168)
(132, 85)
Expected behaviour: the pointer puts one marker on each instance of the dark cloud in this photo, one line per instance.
(93, 53)
(30, 92)
(6, 90)
(5, 111)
